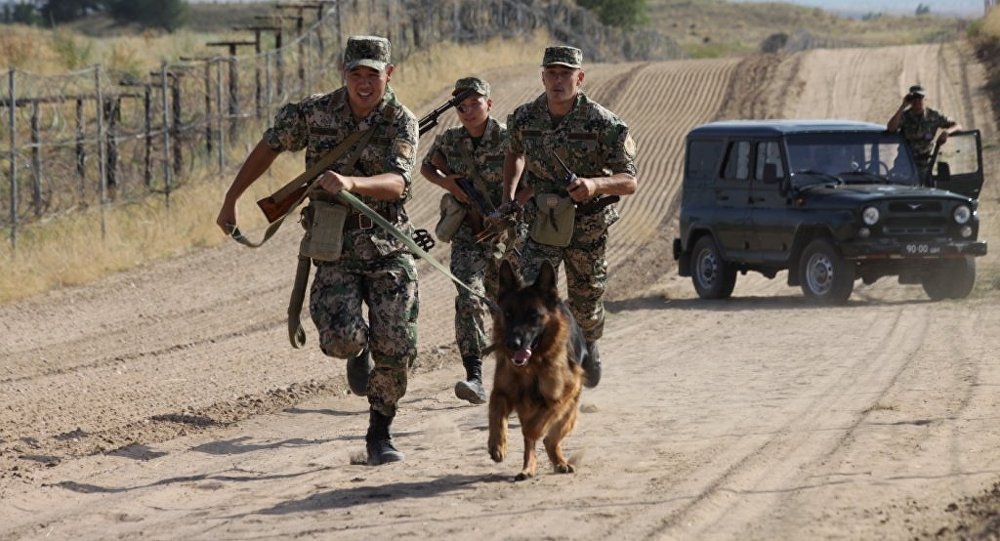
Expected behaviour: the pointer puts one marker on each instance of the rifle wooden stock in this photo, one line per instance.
(282, 202)
(274, 209)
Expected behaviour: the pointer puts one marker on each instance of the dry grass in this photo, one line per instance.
(706, 28)
(51, 52)
(69, 250)
(991, 24)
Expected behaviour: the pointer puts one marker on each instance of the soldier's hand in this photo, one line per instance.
(459, 193)
(503, 211)
(335, 182)
(582, 189)
(942, 138)
(226, 220)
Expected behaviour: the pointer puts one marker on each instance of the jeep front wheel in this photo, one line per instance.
(825, 275)
(951, 279)
(713, 277)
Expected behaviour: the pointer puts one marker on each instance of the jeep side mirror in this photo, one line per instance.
(770, 172)
(943, 172)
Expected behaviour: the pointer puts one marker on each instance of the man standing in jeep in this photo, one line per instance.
(920, 125)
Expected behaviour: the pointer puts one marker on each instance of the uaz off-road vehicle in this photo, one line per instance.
(831, 202)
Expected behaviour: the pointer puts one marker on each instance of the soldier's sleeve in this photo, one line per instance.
(435, 148)
(290, 131)
(945, 122)
(621, 150)
(514, 142)
(402, 154)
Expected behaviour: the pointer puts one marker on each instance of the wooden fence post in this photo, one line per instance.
(81, 155)
(101, 165)
(166, 133)
(36, 161)
(12, 127)
(218, 100)
(112, 112)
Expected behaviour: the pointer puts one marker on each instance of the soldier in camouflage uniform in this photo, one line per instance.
(596, 146)
(920, 125)
(374, 268)
(473, 151)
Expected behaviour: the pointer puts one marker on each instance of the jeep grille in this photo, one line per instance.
(915, 219)
(915, 207)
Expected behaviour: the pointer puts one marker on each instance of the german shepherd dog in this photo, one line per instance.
(539, 349)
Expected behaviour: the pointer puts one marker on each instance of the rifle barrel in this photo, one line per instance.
(430, 120)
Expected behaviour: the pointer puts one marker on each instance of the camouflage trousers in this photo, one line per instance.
(586, 268)
(389, 288)
(475, 264)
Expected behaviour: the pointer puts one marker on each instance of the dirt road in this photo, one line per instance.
(164, 403)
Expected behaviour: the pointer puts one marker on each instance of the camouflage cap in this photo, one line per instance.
(369, 51)
(480, 86)
(563, 55)
(918, 90)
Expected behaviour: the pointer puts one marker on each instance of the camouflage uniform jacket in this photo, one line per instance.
(920, 129)
(592, 141)
(320, 122)
(487, 157)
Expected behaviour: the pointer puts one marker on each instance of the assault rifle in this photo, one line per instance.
(281, 202)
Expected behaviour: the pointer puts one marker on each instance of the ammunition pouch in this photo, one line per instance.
(452, 216)
(324, 224)
(554, 220)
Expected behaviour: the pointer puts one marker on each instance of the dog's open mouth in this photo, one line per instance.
(521, 356)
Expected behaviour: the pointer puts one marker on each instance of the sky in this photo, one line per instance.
(969, 8)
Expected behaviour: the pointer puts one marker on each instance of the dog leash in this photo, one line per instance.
(413, 246)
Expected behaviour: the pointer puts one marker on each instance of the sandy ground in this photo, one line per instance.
(165, 403)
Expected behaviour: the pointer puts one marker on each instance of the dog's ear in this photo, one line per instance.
(509, 280)
(546, 280)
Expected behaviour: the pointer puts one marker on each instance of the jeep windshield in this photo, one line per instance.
(849, 158)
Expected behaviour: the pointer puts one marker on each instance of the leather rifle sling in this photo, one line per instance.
(296, 334)
(308, 176)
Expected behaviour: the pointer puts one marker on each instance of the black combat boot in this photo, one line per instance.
(592, 365)
(472, 388)
(359, 369)
(379, 442)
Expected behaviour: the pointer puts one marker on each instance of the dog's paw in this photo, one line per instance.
(498, 452)
(565, 468)
(523, 476)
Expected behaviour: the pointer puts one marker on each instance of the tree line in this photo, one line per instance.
(170, 14)
(166, 14)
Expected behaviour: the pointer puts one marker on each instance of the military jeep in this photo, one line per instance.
(830, 202)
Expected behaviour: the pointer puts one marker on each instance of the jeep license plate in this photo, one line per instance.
(918, 249)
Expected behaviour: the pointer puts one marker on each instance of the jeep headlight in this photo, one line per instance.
(870, 215)
(962, 213)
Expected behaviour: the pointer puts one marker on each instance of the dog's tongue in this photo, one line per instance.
(521, 356)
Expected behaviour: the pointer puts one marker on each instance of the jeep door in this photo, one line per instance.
(769, 217)
(963, 154)
(732, 193)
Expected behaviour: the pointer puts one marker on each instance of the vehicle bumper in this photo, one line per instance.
(929, 249)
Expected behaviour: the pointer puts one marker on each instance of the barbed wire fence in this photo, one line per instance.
(95, 138)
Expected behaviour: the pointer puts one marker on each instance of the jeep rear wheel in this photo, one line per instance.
(713, 276)
(951, 279)
(826, 277)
